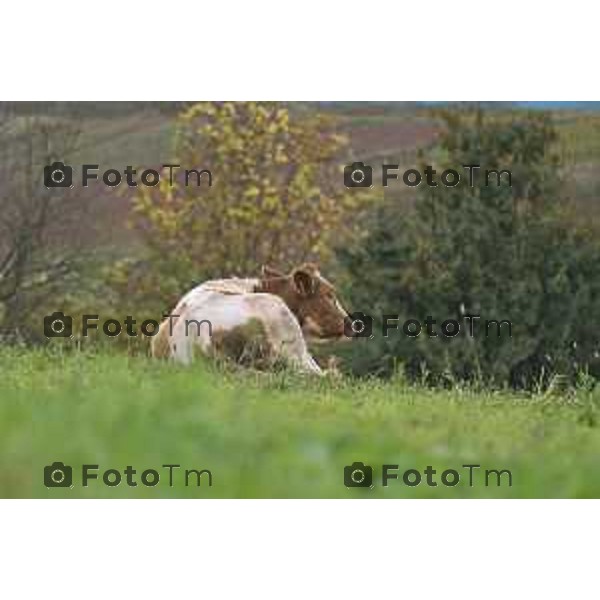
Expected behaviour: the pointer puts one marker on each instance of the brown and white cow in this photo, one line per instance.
(262, 320)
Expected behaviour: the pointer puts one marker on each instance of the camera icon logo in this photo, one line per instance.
(358, 324)
(358, 175)
(358, 475)
(58, 475)
(58, 175)
(58, 325)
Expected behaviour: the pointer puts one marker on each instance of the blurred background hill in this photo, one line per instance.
(116, 134)
(102, 245)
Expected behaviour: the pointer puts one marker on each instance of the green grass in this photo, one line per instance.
(279, 435)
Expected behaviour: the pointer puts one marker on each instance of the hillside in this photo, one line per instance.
(115, 135)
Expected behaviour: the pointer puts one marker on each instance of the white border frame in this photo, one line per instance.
(298, 549)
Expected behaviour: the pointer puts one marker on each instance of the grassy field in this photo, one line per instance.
(264, 436)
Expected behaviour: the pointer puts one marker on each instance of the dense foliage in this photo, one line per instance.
(275, 198)
(501, 252)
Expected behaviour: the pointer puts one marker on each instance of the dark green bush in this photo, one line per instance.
(498, 251)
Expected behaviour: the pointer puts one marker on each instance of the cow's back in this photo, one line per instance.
(215, 314)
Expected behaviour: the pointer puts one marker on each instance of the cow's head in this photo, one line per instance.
(310, 297)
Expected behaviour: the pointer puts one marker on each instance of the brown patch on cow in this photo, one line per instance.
(310, 297)
(160, 347)
(246, 344)
(269, 272)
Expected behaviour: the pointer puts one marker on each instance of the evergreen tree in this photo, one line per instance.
(502, 252)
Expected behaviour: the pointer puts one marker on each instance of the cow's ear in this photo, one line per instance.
(268, 272)
(304, 282)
